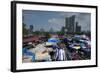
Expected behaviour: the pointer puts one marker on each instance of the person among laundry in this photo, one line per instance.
(60, 52)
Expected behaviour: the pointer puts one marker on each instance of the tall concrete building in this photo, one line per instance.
(78, 28)
(70, 24)
(31, 30)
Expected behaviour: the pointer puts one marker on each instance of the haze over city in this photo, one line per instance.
(54, 20)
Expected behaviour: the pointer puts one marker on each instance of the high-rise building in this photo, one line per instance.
(31, 27)
(70, 24)
(31, 30)
(78, 28)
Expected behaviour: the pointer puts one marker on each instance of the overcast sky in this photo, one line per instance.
(52, 19)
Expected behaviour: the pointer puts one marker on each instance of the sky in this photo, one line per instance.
(54, 20)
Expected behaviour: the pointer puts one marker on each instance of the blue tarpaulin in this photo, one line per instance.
(28, 53)
(53, 40)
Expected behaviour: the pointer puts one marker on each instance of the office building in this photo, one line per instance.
(70, 24)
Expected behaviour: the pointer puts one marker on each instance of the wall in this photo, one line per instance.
(5, 36)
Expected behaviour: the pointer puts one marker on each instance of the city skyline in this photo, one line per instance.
(55, 20)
